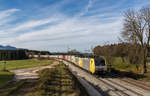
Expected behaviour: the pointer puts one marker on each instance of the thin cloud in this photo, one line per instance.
(108, 7)
(6, 15)
(32, 24)
(86, 9)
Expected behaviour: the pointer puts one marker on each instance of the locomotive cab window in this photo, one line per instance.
(99, 62)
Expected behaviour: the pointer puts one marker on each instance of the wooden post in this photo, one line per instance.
(4, 65)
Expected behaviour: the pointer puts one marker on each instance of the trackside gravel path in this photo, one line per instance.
(30, 73)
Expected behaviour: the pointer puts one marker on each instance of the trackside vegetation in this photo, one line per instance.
(124, 66)
(5, 77)
(8, 91)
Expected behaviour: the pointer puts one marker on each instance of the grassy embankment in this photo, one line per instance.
(5, 77)
(56, 81)
(126, 67)
(8, 91)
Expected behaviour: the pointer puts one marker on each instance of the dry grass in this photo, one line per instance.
(53, 82)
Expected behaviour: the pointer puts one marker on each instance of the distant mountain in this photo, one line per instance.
(8, 47)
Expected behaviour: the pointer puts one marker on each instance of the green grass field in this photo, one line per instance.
(5, 77)
(126, 66)
(123, 66)
(20, 64)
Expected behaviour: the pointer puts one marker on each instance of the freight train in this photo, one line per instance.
(92, 64)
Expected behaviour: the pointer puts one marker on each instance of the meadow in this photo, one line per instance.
(118, 64)
(20, 64)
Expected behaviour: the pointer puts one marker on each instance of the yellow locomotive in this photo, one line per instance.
(89, 63)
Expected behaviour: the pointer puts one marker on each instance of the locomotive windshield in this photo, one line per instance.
(99, 62)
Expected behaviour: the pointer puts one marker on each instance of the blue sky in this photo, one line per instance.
(55, 25)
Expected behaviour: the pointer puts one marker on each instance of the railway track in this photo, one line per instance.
(116, 90)
(112, 87)
(122, 89)
(131, 91)
(137, 83)
(140, 85)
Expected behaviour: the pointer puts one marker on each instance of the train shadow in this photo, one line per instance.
(121, 74)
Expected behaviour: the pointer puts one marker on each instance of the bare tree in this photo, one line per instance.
(136, 30)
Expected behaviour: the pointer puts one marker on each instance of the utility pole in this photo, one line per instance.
(68, 48)
(92, 48)
(4, 62)
(4, 65)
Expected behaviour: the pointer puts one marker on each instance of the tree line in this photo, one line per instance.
(37, 52)
(20, 54)
(13, 54)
